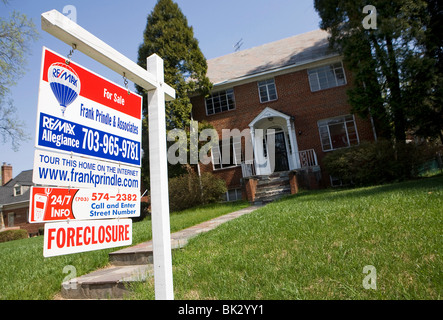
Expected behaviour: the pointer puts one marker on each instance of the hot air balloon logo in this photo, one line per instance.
(65, 84)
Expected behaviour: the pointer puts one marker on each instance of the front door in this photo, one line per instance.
(281, 154)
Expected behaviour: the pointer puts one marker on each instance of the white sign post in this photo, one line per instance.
(159, 185)
(152, 79)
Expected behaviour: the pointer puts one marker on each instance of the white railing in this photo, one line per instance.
(308, 158)
(248, 168)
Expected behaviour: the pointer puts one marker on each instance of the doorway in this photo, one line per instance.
(281, 152)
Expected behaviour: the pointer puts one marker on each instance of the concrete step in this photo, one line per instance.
(109, 283)
(269, 199)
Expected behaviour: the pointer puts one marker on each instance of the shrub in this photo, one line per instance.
(377, 162)
(190, 190)
(15, 234)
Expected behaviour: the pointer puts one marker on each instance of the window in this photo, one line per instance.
(326, 77)
(232, 195)
(220, 101)
(267, 90)
(234, 158)
(17, 190)
(339, 132)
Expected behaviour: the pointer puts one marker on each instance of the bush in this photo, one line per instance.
(377, 162)
(190, 190)
(15, 234)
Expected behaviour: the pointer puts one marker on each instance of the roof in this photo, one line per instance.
(292, 51)
(7, 191)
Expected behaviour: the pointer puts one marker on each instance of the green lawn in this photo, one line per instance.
(314, 245)
(26, 274)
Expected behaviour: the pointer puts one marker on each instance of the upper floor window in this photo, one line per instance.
(325, 77)
(339, 132)
(220, 101)
(17, 190)
(267, 90)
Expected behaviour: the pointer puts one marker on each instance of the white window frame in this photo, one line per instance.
(238, 195)
(222, 96)
(217, 156)
(314, 75)
(346, 119)
(267, 84)
(18, 190)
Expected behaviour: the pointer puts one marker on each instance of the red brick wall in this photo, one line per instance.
(294, 98)
(21, 220)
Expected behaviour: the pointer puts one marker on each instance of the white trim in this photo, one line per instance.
(267, 113)
(346, 130)
(318, 78)
(267, 90)
(261, 163)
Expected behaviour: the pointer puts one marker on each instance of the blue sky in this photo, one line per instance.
(218, 25)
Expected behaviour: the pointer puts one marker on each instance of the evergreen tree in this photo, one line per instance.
(395, 74)
(168, 35)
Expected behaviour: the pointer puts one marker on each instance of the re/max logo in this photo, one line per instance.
(65, 75)
(56, 124)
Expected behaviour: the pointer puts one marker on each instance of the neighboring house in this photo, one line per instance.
(14, 201)
(296, 86)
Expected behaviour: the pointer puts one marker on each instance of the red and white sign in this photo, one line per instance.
(80, 112)
(56, 204)
(79, 236)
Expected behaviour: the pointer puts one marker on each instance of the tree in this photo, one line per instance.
(168, 34)
(426, 68)
(15, 37)
(395, 78)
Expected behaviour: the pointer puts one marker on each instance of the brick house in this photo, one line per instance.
(14, 201)
(295, 86)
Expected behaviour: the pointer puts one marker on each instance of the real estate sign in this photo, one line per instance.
(82, 113)
(54, 204)
(63, 170)
(88, 140)
(80, 236)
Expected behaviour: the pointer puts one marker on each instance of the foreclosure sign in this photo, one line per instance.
(80, 112)
(80, 236)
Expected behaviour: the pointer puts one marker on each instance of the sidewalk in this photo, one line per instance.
(134, 264)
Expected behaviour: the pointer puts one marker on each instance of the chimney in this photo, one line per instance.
(6, 173)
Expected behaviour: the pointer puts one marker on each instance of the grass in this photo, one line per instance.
(314, 245)
(26, 274)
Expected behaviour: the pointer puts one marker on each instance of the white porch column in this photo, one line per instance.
(254, 148)
(294, 145)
